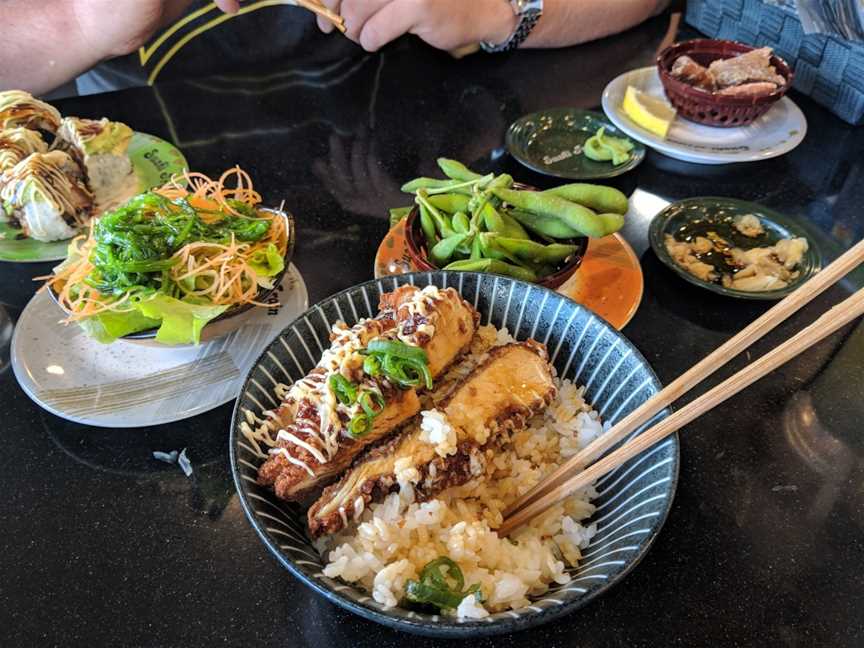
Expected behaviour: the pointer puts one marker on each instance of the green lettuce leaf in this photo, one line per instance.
(182, 321)
(107, 327)
(267, 263)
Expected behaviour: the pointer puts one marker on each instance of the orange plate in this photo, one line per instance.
(609, 281)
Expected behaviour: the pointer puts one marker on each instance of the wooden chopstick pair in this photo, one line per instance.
(319, 9)
(570, 476)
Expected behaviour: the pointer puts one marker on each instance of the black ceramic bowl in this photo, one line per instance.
(233, 318)
(633, 500)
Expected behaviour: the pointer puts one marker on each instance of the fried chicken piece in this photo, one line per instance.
(753, 66)
(689, 71)
(756, 89)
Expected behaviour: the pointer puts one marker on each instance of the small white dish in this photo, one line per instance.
(124, 384)
(777, 132)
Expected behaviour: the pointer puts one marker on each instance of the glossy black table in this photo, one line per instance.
(103, 545)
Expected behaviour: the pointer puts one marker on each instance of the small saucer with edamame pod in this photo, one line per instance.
(552, 142)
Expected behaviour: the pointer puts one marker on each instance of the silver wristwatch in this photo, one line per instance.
(528, 12)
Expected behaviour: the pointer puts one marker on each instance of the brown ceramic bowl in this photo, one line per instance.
(419, 254)
(709, 108)
(233, 318)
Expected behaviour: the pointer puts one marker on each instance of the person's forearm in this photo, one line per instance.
(42, 47)
(568, 22)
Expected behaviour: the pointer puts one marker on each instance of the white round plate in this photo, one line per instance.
(776, 132)
(124, 385)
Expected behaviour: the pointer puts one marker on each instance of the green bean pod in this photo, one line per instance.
(495, 267)
(455, 170)
(503, 181)
(460, 222)
(444, 249)
(476, 249)
(502, 223)
(600, 198)
(547, 226)
(442, 222)
(576, 216)
(488, 247)
(534, 252)
(426, 183)
(612, 222)
(427, 224)
(449, 202)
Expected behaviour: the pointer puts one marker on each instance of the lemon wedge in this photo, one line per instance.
(650, 113)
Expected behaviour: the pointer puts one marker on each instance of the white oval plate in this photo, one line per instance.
(776, 132)
(124, 385)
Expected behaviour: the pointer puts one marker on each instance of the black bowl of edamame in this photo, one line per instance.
(507, 247)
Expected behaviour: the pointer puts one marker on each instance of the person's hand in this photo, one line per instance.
(113, 28)
(445, 24)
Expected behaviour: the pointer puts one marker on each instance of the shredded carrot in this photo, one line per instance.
(222, 273)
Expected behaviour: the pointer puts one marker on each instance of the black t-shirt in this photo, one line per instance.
(205, 42)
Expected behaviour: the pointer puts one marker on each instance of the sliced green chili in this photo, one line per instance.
(372, 402)
(343, 389)
(360, 425)
(443, 589)
(398, 349)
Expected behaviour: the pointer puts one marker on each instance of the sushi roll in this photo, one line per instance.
(16, 144)
(45, 195)
(19, 108)
(99, 146)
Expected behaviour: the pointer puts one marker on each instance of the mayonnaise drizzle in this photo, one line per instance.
(343, 356)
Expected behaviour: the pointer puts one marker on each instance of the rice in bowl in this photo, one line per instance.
(396, 538)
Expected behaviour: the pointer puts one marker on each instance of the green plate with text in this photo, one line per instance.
(154, 162)
(551, 142)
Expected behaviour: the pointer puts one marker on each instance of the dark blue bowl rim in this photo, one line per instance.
(446, 629)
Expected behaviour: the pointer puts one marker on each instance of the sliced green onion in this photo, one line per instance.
(432, 573)
(398, 349)
(429, 594)
(372, 365)
(360, 426)
(343, 389)
(434, 588)
(372, 402)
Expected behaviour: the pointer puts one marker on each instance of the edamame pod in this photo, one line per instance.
(427, 224)
(488, 247)
(444, 249)
(461, 222)
(576, 216)
(512, 227)
(547, 226)
(505, 181)
(442, 222)
(597, 197)
(611, 222)
(476, 250)
(425, 183)
(450, 202)
(501, 223)
(455, 170)
(495, 267)
(534, 252)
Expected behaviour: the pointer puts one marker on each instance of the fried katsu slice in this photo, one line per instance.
(311, 437)
(513, 384)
